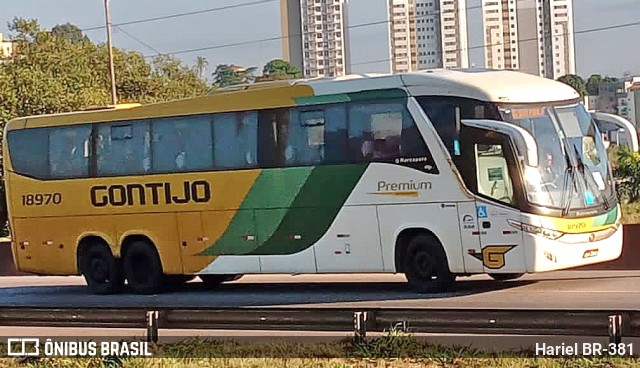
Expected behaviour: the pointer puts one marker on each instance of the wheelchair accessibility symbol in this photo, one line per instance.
(482, 211)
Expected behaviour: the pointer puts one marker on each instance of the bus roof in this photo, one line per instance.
(502, 86)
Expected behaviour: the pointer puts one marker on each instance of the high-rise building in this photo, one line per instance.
(427, 34)
(324, 43)
(291, 19)
(533, 36)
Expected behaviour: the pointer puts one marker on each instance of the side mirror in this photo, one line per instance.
(523, 140)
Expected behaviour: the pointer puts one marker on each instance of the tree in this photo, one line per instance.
(279, 69)
(593, 84)
(69, 32)
(53, 73)
(201, 67)
(576, 82)
(229, 75)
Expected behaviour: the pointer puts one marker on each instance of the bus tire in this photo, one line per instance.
(101, 270)
(505, 276)
(425, 265)
(214, 280)
(142, 268)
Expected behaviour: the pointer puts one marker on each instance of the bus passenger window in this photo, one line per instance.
(29, 151)
(235, 140)
(123, 148)
(305, 138)
(69, 152)
(273, 132)
(375, 130)
(182, 143)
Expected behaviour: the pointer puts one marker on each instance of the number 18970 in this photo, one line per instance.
(41, 199)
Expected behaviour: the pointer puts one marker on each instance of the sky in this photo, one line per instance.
(612, 52)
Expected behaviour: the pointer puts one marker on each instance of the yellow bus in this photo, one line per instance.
(435, 174)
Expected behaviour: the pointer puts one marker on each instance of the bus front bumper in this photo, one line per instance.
(577, 250)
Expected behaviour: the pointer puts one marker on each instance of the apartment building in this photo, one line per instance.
(323, 46)
(6, 48)
(425, 34)
(629, 101)
(533, 36)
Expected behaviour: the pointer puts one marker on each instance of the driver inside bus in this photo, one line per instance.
(549, 172)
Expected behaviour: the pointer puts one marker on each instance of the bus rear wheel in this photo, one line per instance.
(426, 266)
(505, 276)
(142, 268)
(102, 272)
(213, 280)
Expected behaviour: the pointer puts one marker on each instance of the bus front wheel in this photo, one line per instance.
(142, 268)
(102, 272)
(426, 266)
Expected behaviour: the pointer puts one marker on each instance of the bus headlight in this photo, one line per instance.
(536, 230)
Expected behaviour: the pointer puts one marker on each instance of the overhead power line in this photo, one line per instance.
(242, 43)
(138, 40)
(178, 15)
(584, 31)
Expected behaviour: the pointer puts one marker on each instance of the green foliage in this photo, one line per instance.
(229, 75)
(69, 32)
(61, 70)
(576, 82)
(201, 66)
(628, 171)
(593, 84)
(278, 70)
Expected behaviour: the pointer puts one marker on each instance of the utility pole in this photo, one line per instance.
(112, 73)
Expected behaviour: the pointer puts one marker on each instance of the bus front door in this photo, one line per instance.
(494, 163)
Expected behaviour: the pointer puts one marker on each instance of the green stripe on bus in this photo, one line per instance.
(384, 94)
(273, 192)
(314, 209)
(612, 217)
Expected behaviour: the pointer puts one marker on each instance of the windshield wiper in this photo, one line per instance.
(581, 167)
(569, 177)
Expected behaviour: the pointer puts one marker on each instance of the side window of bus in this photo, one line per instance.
(316, 135)
(384, 132)
(272, 137)
(375, 130)
(29, 151)
(69, 152)
(442, 114)
(182, 143)
(124, 148)
(236, 140)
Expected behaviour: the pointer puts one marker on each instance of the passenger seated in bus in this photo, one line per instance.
(367, 146)
(387, 148)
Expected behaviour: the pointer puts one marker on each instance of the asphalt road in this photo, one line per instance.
(557, 290)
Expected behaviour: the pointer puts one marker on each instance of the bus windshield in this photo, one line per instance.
(573, 174)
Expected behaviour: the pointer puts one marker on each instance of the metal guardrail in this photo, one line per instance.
(596, 323)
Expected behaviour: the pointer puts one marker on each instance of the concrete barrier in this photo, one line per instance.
(629, 260)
